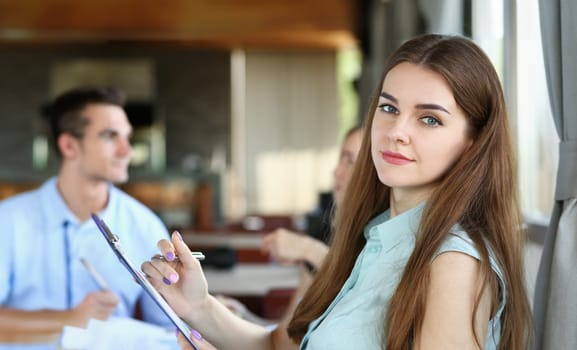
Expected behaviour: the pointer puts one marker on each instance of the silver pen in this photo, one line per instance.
(197, 255)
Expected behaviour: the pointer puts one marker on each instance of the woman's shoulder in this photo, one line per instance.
(458, 240)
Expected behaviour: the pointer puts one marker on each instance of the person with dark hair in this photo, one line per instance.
(47, 232)
(428, 242)
(63, 113)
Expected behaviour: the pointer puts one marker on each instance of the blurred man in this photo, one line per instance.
(46, 232)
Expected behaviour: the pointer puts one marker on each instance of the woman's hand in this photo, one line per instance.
(291, 247)
(285, 246)
(199, 342)
(178, 276)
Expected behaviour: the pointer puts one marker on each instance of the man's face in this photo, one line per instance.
(103, 153)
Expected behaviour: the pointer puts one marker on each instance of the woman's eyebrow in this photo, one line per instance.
(419, 106)
(432, 106)
(389, 97)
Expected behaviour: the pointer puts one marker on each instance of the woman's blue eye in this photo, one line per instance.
(387, 108)
(431, 121)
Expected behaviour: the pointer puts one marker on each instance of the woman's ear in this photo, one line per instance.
(68, 146)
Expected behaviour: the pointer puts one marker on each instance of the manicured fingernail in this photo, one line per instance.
(166, 280)
(177, 332)
(170, 256)
(178, 235)
(173, 278)
(195, 334)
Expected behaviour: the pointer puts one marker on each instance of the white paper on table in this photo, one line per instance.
(118, 334)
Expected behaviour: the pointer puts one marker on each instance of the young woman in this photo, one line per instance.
(310, 249)
(428, 243)
(291, 247)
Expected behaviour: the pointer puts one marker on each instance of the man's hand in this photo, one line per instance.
(99, 305)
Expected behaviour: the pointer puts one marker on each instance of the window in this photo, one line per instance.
(513, 31)
(536, 135)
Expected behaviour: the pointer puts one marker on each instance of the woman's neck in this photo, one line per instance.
(402, 200)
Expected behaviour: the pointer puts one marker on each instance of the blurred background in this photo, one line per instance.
(239, 105)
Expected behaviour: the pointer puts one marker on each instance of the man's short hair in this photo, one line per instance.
(63, 113)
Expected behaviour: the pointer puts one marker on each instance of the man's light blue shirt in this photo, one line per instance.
(43, 241)
(355, 318)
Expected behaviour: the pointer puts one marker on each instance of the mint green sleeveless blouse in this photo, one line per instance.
(354, 319)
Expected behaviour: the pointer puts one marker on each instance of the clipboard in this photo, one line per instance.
(114, 243)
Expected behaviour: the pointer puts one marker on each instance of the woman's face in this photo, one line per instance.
(342, 173)
(418, 130)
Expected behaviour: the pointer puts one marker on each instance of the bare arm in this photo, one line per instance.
(455, 284)
(31, 326)
(291, 247)
(39, 325)
(188, 296)
(279, 334)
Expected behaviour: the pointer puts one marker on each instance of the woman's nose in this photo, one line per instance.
(399, 131)
(338, 171)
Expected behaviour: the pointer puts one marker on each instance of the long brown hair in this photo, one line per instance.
(479, 192)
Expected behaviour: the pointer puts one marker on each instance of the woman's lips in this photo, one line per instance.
(395, 158)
